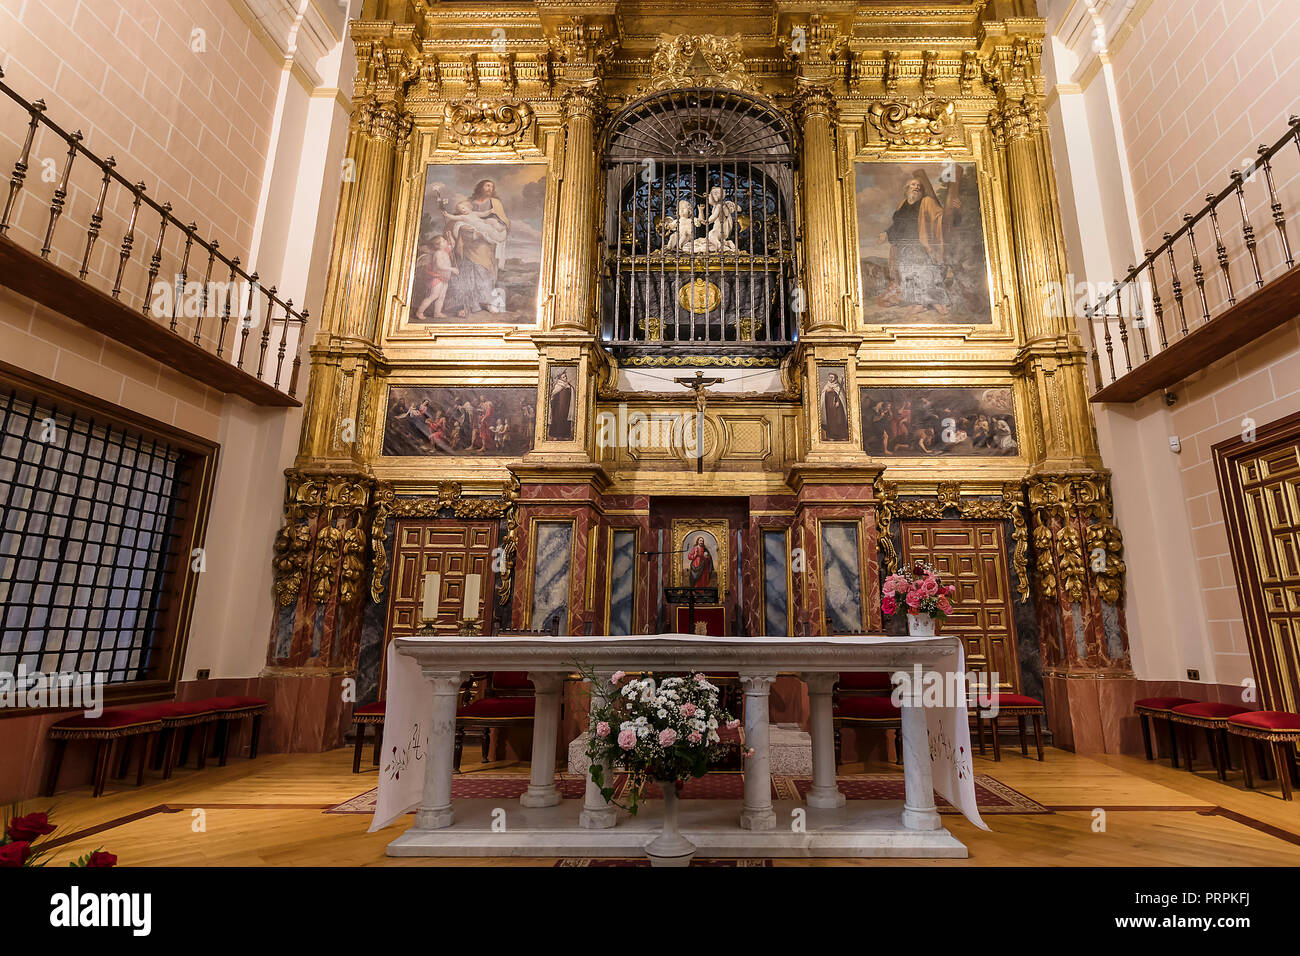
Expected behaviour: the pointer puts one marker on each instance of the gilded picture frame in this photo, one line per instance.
(715, 531)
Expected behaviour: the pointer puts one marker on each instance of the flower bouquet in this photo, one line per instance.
(19, 847)
(919, 590)
(665, 731)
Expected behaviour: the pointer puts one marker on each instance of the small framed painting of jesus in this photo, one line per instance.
(700, 555)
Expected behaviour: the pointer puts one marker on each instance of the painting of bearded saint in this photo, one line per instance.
(921, 244)
(478, 254)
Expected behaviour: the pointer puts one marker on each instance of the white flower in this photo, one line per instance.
(661, 713)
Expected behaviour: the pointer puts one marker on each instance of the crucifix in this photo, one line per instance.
(697, 385)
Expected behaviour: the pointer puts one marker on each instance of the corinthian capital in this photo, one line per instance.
(585, 99)
(812, 101)
(1015, 119)
(381, 121)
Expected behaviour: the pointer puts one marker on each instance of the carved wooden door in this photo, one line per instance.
(1259, 482)
(972, 556)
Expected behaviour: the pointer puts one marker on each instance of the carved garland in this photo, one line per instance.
(949, 497)
(913, 123)
(1068, 502)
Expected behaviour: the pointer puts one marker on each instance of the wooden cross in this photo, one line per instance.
(697, 385)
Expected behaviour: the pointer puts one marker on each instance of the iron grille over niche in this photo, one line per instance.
(88, 540)
(700, 241)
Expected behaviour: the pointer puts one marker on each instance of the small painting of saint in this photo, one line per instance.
(700, 561)
(834, 405)
(561, 406)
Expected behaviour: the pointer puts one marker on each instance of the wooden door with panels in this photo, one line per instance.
(454, 550)
(972, 556)
(1259, 484)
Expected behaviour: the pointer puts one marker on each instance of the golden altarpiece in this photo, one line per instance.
(619, 304)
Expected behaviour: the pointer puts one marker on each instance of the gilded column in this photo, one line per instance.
(814, 109)
(1053, 360)
(575, 244)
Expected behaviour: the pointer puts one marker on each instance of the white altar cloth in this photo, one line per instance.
(415, 730)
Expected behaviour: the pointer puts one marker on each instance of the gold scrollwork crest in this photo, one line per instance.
(487, 124)
(913, 123)
(700, 60)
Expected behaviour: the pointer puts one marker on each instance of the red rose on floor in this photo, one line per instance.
(100, 858)
(14, 854)
(28, 828)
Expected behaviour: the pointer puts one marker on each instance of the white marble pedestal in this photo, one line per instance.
(862, 828)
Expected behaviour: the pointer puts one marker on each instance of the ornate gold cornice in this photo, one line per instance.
(948, 497)
(677, 59)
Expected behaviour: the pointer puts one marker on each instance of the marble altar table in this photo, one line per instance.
(425, 675)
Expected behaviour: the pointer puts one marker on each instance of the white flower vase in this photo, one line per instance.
(670, 848)
(920, 625)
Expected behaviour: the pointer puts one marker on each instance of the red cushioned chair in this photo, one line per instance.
(1281, 730)
(507, 701)
(1213, 718)
(363, 717)
(1018, 706)
(232, 710)
(862, 699)
(1150, 709)
(106, 730)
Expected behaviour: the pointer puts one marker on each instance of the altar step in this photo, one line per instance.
(862, 828)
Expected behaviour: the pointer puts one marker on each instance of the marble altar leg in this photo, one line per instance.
(542, 791)
(757, 813)
(435, 811)
(825, 795)
(918, 782)
(597, 814)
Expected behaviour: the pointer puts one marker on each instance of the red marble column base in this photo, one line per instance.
(1092, 712)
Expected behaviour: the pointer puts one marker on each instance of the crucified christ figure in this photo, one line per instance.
(698, 384)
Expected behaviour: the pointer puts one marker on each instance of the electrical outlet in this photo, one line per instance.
(1193, 674)
(203, 673)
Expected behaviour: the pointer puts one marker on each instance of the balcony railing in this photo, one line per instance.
(1156, 329)
(163, 289)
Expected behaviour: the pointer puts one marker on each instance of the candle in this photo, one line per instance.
(429, 597)
(473, 588)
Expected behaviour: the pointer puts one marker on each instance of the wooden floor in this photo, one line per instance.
(269, 812)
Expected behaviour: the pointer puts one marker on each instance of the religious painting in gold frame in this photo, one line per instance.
(700, 557)
(478, 255)
(921, 244)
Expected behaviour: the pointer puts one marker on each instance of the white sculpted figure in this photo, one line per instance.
(683, 228)
(721, 220)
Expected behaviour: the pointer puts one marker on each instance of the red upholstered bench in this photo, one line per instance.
(1018, 706)
(1150, 709)
(1279, 728)
(231, 710)
(363, 717)
(106, 730)
(507, 701)
(1212, 717)
(178, 719)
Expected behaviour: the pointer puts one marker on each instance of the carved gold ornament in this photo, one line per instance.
(1075, 537)
(487, 123)
(699, 296)
(913, 123)
(948, 497)
(700, 60)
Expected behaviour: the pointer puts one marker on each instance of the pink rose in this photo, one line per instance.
(699, 678)
(667, 736)
(749, 752)
(930, 586)
(688, 710)
(950, 589)
(889, 605)
(602, 729)
(944, 606)
(618, 676)
(694, 737)
(627, 739)
(914, 600)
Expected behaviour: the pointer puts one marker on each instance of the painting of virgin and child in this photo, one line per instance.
(494, 421)
(479, 251)
(921, 244)
(911, 422)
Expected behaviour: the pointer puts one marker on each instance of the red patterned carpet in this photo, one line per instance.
(992, 795)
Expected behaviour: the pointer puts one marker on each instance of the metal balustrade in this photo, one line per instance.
(210, 302)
